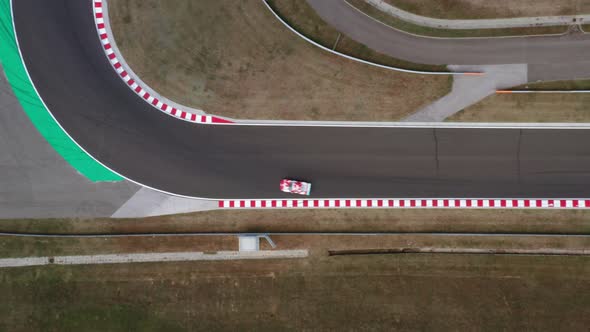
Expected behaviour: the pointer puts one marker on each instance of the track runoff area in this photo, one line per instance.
(309, 203)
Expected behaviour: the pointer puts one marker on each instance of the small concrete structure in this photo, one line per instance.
(249, 242)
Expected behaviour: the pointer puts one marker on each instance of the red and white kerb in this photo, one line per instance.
(405, 203)
(140, 91)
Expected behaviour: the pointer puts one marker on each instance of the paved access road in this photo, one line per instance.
(61, 50)
(549, 57)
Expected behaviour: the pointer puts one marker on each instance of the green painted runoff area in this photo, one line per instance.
(35, 109)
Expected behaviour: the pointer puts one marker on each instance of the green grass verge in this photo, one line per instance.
(427, 31)
(36, 111)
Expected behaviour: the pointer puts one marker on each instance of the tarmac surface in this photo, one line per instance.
(551, 57)
(66, 63)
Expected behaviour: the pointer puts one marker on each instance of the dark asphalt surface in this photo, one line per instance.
(551, 57)
(64, 58)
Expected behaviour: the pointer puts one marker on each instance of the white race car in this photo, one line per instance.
(295, 187)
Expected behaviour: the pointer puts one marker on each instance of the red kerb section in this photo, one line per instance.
(219, 120)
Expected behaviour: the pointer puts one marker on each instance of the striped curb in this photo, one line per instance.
(405, 203)
(133, 85)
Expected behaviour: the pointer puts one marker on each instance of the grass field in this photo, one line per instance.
(367, 292)
(474, 9)
(350, 293)
(426, 31)
(528, 108)
(235, 59)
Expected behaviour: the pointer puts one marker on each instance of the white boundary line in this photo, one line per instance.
(540, 91)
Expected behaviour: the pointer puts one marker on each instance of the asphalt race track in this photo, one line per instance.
(549, 57)
(547, 49)
(66, 63)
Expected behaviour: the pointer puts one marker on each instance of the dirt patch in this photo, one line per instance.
(474, 9)
(234, 58)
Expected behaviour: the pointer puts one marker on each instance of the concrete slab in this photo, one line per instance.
(468, 90)
(151, 257)
(148, 203)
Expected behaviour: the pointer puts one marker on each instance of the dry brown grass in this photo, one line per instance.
(327, 220)
(370, 292)
(366, 292)
(473, 9)
(528, 108)
(233, 58)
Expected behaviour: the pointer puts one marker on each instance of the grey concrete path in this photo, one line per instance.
(151, 257)
(518, 22)
(468, 90)
(36, 182)
(148, 203)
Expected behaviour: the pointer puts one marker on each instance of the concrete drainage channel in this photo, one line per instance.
(150, 258)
